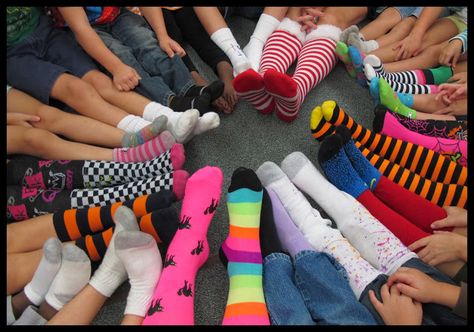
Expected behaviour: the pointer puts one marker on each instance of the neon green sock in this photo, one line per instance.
(342, 52)
(390, 99)
(441, 74)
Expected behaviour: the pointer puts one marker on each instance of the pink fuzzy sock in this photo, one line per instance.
(173, 301)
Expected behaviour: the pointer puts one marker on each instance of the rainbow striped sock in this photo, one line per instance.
(246, 302)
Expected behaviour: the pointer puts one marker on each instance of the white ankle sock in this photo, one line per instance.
(73, 275)
(139, 254)
(111, 272)
(47, 269)
(30, 317)
(10, 315)
(372, 239)
(316, 229)
(132, 123)
(206, 122)
(253, 50)
(226, 41)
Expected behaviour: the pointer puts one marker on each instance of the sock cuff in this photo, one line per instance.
(35, 298)
(125, 122)
(325, 31)
(221, 34)
(292, 27)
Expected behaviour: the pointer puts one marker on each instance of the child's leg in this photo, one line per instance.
(398, 32)
(21, 268)
(44, 144)
(382, 24)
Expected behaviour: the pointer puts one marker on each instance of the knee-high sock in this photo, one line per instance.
(73, 224)
(438, 75)
(78, 174)
(316, 229)
(374, 241)
(418, 159)
(161, 224)
(436, 192)
(416, 209)
(315, 61)
(386, 124)
(339, 171)
(173, 299)
(451, 129)
(241, 250)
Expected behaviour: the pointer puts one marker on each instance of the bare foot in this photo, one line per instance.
(222, 105)
(230, 96)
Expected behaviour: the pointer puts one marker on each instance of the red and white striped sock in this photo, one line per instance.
(280, 51)
(315, 61)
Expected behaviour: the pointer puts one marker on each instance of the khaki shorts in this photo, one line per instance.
(459, 22)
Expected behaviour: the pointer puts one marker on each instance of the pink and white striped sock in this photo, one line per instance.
(146, 151)
(280, 51)
(315, 61)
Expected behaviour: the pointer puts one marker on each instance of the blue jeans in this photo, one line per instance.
(132, 40)
(312, 290)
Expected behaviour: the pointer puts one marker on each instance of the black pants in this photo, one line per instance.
(184, 26)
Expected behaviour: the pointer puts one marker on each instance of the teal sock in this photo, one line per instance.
(407, 99)
(357, 58)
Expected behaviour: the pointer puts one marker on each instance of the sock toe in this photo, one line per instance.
(374, 88)
(180, 178)
(244, 178)
(160, 200)
(126, 218)
(73, 253)
(379, 118)
(167, 221)
(344, 133)
(52, 250)
(269, 172)
(184, 127)
(329, 148)
(177, 156)
(249, 80)
(329, 108)
(293, 163)
(372, 60)
(133, 239)
(215, 89)
(279, 84)
(369, 72)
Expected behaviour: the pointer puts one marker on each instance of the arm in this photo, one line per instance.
(154, 16)
(411, 45)
(125, 77)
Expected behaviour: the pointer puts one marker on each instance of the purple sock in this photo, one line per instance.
(291, 238)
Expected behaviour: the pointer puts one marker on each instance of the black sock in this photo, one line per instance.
(162, 224)
(214, 89)
(182, 104)
(269, 241)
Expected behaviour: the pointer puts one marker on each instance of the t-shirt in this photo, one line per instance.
(96, 15)
(21, 21)
(461, 12)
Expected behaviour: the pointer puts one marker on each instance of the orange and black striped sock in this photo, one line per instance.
(438, 193)
(417, 159)
(161, 224)
(73, 224)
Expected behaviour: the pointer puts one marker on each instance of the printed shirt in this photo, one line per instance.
(96, 15)
(21, 21)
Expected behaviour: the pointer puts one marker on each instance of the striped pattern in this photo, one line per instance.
(463, 38)
(73, 224)
(401, 87)
(146, 151)
(245, 302)
(416, 158)
(249, 86)
(280, 51)
(418, 76)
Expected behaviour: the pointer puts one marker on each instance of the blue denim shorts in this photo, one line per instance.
(34, 64)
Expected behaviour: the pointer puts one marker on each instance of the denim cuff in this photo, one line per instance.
(186, 87)
(277, 255)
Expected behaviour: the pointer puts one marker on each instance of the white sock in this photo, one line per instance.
(206, 122)
(253, 50)
(47, 269)
(356, 40)
(10, 315)
(180, 124)
(369, 46)
(227, 43)
(30, 317)
(111, 272)
(346, 32)
(372, 239)
(316, 229)
(73, 275)
(132, 123)
(139, 254)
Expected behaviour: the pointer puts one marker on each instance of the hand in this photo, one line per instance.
(309, 17)
(450, 54)
(441, 247)
(457, 107)
(409, 47)
(450, 92)
(396, 308)
(125, 77)
(460, 78)
(171, 47)
(21, 119)
(457, 217)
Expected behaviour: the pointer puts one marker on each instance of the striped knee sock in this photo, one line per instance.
(250, 87)
(146, 151)
(436, 76)
(241, 250)
(73, 224)
(161, 224)
(418, 159)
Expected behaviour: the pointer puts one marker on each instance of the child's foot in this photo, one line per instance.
(152, 130)
(356, 40)
(357, 58)
(250, 86)
(183, 103)
(345, 34)
(284, 90)
(342, 52)
(390, 99)
(213, 89)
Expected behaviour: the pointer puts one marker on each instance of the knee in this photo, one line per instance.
(432, 51)
(37, 139)
(74, 88)
(48, 115)
(100, 82)
(404, 26)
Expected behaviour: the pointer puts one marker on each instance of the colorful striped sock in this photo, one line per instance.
(146, 151)
(246, 302)
(155, 128)
(357, 58)
(342, 52)
(73, 224)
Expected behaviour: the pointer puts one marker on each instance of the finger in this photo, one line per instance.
(26, 124)
(118, 86)
(385, 293)
(440, 223)
(33, 118)
(455, 60)
(400, 276)
(423, 253)
(406, 289)
(375, 302)
(441, 232)
(394, 290)
(169, 51)
(137, 75)
(418, 244)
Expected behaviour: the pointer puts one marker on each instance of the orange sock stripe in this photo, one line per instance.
(91, 249)
(94, 220)
(71, 224)
(246, 308)
(415, 160)
(426, 164)
(146, 226)
(323, 130)
(114, 207)
(463, 177)
(449, 173)
(107, 235)
(340, 116)
(244, 232)
(437, 192)
(356, 133)
(139, 206)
